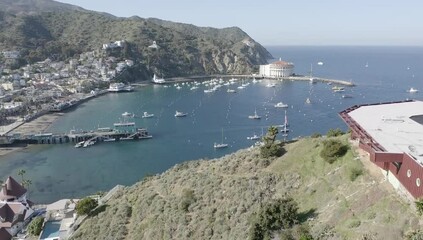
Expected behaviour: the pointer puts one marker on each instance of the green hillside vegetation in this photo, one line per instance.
(245, 196)
(183, 49)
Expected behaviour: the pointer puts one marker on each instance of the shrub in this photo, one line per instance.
(187, 199)
(355, 172)
(85, 206)
(274, 150)
(334, 132)
(35, 226)
(332, 149)
(274, 215)
(419, 206)
(316, 135)
(414, 235)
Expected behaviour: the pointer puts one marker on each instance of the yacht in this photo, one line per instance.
(255, 116)
(270, 85)
(320, 63)
(80, 144)
(120, 87)
(109, 139)
(180, 114)
(128, 114)
(221, 144)
(413, 90)
(281, 105)
(158, 80)
(230, 91)
(338, 89)
(254, 137)
(147, 115)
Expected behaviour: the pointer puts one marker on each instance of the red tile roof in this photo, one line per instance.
(11, 189)
(282, 63)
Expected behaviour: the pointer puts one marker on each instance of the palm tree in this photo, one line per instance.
(21, 173)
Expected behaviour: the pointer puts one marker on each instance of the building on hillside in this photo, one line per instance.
(277, 69)
(60, 217)
(392, 134)
(15, 208)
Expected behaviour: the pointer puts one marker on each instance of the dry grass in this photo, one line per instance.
(214, 199)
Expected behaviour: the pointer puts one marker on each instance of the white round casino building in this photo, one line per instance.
(277, 69)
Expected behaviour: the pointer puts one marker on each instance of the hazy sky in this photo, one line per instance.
(295, 22)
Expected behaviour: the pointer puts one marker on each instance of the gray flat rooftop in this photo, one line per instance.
(392, 127)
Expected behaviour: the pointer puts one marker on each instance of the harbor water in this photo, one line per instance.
(61, 171)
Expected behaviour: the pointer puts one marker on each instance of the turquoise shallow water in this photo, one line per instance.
(62, 171)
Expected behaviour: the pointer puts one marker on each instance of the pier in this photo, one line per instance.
(121, 131)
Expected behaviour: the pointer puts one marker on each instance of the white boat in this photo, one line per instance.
(158, 80)
(281, 105)
(413, 90)
(193, 88)
(338, 89)
(180, 114)
(254, 137)
(147, 115)
(221, 144)
(80, 144)
(320, 63)
(109, 140)
(209, 90)
(88, 143)
(308, 101)
(230, 91)
(255, 116)
(270, 85)
(346, 96)
(312, 80)
(285, 130)
(120, 87)
(126, 138)
(128, 114)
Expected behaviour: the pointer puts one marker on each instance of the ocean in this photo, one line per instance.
(61, 171)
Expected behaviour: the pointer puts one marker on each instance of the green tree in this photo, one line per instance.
(85, 206)
(35, 226)
(21, 173)
(274, 215)
(334, 132)
(419, 206)
(270, 147)
(333, 149)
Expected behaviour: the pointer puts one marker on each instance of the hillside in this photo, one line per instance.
(183, 49)
(216, 199)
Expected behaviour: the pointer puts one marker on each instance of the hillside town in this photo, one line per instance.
(35, 89)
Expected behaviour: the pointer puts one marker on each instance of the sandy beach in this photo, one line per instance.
(38, 125)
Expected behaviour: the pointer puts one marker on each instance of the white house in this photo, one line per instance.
(277, 69)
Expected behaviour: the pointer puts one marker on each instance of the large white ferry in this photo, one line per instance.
(120, 87)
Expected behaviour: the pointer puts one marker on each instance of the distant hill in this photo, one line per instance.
(62, 30)
(219, 199)
(35, 6)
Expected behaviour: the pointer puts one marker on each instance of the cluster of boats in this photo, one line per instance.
(120, 87)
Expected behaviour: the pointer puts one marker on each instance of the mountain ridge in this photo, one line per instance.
(184, 49)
